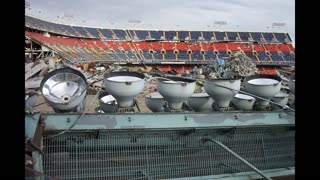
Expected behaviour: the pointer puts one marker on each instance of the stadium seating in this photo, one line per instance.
(107, 33)
(80, 30)
(142, 35)
(156, 34)
(232, 36)
(207, 46)
(93, 32)
(89, 43)
(268, 37)
(262, 56)
(245, 47)
(288, 56)
(209, 55)
(196, 55)
(276, 57)
(169, 55)
(220, 36)
(223, 54)
(220, 46)
(168, 45)
(281, 37)
(271, 47)
(121, 34)
(182, 46)
(157, 55)
(207, 35)
(169, 35)
(183, 55)
(195, 35)
(182, 35)
(244, 36)
(233, 46)
(147, 55)
(256, 36)
(258, 47)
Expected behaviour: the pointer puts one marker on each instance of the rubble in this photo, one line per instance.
(33, 83)
(238, 65)
(34, 70)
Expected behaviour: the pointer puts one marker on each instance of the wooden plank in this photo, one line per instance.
(35, 70)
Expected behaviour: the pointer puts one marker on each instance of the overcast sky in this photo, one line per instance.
(239, 15)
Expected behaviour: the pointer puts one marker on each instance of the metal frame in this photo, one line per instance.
(56, 122)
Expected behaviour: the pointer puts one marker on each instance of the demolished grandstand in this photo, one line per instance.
(187, 134)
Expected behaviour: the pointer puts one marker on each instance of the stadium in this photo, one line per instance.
(137, 142)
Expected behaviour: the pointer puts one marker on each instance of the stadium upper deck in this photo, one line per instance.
(77, 43)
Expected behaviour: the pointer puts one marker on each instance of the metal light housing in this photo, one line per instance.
(64, 89)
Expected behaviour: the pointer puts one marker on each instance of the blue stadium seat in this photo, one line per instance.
(244, 36)
(156, 34)
(121, 34)
(262, 56)
(106, 33)
(69, 30)
(223, 54)
(51, 27)
(275, 56)
(268, 37)
(209, 55)
(131, 55)
(232, 36)
(157, 55)
(196, 55)
(141, 34)
(195, 35)
(37, 23)
(169, 55)
(182, 55)
(183, 34)
(207, 35)
(220, 36)
(132, 34)
(147, 55)
(170, 35)
(93, 31)
(281, 37)
(256, 36)
(119, 55)
(288, 56)
(80, 30)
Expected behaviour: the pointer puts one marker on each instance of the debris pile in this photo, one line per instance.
(237, 66)
(150, 86)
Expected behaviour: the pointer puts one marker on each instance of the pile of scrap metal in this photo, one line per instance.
(238, 65)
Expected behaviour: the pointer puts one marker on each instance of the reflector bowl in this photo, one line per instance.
(263, 85)
(155, 102)
(221, 95)
(280, 98)
(124, 86)
(243, 101)
(200, 102)
(176, 90)
(107, 102)
(64, 89)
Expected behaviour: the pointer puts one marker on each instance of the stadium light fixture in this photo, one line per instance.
(278, 25)
(220, 22)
